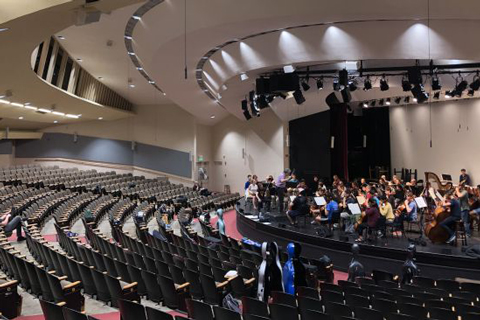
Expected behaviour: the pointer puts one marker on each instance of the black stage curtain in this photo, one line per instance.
(339, 132)
(310, 146)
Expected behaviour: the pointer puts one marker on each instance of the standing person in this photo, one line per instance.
(281, 185)
(462, 196)
(247, 183)
(455, 215)
(464, 178)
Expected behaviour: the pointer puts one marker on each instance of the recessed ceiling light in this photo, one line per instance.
(136, 17)
(55, 121)
(17, 104)
(415, 99)
(61, 37)
(131, 85)
(288, 69)
(164, 93)
(131, 53)
(21, 118)
(4, 29)
(212, 117)
(79, 60)
(100, 118)
(243, 77)
(128, 37)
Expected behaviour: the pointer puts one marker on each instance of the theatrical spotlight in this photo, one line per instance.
(436, 84)
(367, 84)
(406, 86)
(419, 93)
(436, 95)
(384, 84)
(398, 100)
(448, 94)
(387, 102)
(245, 109)
(471, 92)
(337, 86)
(298, 95)
(365, 104)
(475, 85)
(460, 87)
(319, 83)
(352, 85)
(305, 85)
(262, 101)
(381, 102)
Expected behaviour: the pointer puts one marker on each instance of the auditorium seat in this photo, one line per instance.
(254, 307)
(198, 310)
(368, 314)
(157, 314)
(131, 310)
(315, 315)
(338, 309)
(306, 303)
(282, 312)
(118, 290)
(52, 311)
(69, 314)
(283, 298)
(225, 314)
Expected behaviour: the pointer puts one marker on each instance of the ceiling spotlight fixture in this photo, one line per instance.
(419, 93)
(212, 117)
(384, 84)
(415, 99)
(436, 95)
(305, 85)
(471, 92)
(298, 95)
(130, 53)
(243, 76)
(288, 69)
(460, 87)
(387, 102)
(436, 85)
(398, 100)
(365, 104)
(55, 121)
(136, 17)
(406, 85)
(21, 118)
(381, 102)
(367, 84)
(373, 103)
(475, 85)
(131, 85)
(448, 94)
(246, 114)
(319, 83)
(61, 37)
(407, 100)
(337, 86)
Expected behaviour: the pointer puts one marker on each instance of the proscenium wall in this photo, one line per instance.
(262, 141)
(455, 138)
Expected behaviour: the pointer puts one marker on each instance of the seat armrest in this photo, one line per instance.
(72, 285)
(9, 283)
(222, 285)
(250, 281)
(61, 304)
(62, 278)
(130, 286)
(183, 286)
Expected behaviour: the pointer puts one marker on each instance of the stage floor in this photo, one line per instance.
(441, 259)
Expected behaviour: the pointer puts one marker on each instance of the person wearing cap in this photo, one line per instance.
(298, 207)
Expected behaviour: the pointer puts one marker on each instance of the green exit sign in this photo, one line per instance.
(200, 158)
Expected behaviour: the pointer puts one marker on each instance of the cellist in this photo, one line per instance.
(455, 215)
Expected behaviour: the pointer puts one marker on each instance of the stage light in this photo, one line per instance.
(475, 85)
(298, 95)
(305, 85)
(262, 102)
(365, 104)
(288, 69)
(460, 87)
(381, 102)
(406, 86)
(384, 84)
(254, 108)
(387, 102)
(243, 76)
(448, 94)
(337, 86)
(436, 95)
(407, 100)
(398, 100)
(471, 93)
(419, 93)
(373, 103)
(352, 85)
(436, 84)
(244, 105)
(367, 84)
(319, 83)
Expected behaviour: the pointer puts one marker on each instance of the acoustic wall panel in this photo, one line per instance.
(6, 147)
(60, 145)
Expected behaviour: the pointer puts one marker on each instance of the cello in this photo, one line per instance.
(434, 231)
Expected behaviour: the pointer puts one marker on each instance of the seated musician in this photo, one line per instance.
(336, 181)
(298, 207)
(371, 218)
(386, 210)
(406, 212)
(331, 209)
(412, 185)
(455, 215)
(475, 202)
(252, 192)
(347, 217)
(464, 178)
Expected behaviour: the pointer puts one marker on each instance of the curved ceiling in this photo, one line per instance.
(348, 30)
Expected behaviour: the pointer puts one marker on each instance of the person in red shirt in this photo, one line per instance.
(370, 218)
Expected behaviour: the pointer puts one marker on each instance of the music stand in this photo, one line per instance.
(446, 177)
(421, 206)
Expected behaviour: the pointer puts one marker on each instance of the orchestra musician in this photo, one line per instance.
(372, 217)
(253, 192)
(281, 185)
(462, 196)
(464, 178)
(455, 215)
(406, 212)
(298, 207)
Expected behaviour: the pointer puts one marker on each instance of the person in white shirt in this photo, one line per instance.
(252, 192)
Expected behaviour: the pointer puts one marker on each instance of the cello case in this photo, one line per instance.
(263, 274)
(276, 277)
(355, 269)
(409, 268)
(300, 272)
(289, 270)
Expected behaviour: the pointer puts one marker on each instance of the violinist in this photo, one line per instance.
(455, 215)
(372, 217)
